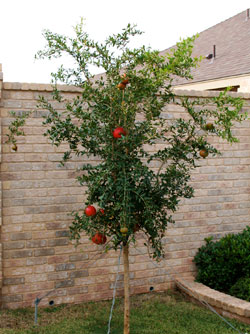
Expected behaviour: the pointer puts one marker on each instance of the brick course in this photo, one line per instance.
(37, 195)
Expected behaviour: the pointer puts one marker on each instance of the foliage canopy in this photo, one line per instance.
(123, 183)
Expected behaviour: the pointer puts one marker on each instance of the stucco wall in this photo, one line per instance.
(38, 195)
(243, 81)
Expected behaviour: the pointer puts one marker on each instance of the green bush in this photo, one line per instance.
(241, 289)
(222, 263)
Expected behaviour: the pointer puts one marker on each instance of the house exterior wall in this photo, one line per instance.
(242, 81)
(38, 194)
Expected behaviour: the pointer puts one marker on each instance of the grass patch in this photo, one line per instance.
(153, 313)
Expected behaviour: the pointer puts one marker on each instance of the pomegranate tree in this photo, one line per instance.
(114, 118)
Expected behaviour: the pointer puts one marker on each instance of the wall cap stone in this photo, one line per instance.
(65, 88)
(38, 87)
(224, 304)
(1, 80)
(206, 93)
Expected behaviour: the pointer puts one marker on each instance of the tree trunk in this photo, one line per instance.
(126, 289)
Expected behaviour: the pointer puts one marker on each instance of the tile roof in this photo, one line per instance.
(232, 40)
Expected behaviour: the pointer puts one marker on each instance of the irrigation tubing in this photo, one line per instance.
(114, 291)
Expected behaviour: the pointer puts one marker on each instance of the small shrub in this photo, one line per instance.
(222, 263)
(241, 289)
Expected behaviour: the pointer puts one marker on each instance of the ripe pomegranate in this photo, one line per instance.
(203, 153)
(121, 86)
(118, 132)
(99, 238)
(125, 80)
(90, 210)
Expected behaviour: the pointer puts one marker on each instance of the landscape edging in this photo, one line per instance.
(224, 304)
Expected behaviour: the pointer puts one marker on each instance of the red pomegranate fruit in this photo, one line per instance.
(99, 238)
(90, 210)
(118, 132)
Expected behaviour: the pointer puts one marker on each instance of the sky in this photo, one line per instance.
(163, 22)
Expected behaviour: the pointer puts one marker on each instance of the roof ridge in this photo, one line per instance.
(230, 18)
(169, 48)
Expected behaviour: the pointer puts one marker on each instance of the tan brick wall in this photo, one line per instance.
(38, 195)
